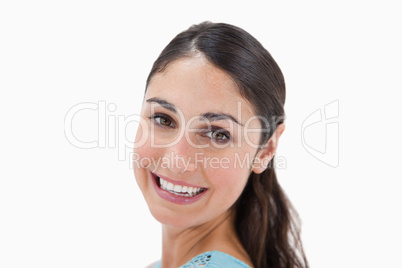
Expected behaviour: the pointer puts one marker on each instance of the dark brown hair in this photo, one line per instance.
(266, 222)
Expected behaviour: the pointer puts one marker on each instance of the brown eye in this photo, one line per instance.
(162, 120)
(219, 135)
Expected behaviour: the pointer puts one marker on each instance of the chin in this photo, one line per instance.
(176, 219)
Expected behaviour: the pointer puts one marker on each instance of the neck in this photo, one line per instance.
(181, 245)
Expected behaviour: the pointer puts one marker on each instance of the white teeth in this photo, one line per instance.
(170, 186)
(178, 189)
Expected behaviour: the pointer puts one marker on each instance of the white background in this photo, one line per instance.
(62, 206)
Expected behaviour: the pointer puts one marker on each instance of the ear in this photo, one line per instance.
(267, 151)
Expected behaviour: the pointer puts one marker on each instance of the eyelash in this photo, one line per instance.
(219, 131)
(204, 133)
(164, 116)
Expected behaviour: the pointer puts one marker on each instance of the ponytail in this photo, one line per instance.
(267, 224)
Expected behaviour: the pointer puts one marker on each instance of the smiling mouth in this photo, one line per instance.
(176, 189)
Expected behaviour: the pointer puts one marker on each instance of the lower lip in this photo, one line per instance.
(177, 199)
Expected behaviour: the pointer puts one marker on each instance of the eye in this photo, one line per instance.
(218, 135)
(162, 120)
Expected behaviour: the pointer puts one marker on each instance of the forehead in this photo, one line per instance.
(196, 86)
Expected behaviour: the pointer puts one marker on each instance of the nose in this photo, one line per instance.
(181, 156)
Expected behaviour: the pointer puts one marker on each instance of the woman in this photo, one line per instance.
(210, 124)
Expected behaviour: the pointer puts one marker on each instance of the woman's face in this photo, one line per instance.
(195, 143)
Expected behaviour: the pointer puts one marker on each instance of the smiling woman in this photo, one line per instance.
(210, 124)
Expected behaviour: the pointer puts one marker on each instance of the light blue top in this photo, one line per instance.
(212, 259)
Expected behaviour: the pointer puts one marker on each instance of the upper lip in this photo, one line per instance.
(175, 182)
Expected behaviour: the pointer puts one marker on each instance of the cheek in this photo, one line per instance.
(230, 179)
(143, 150)
(143, 155)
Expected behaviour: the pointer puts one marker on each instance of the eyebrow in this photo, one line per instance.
(220, 116)
(163, 103)
(209, 116)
